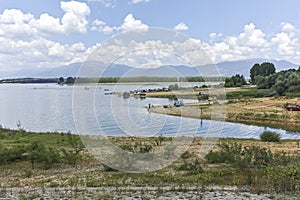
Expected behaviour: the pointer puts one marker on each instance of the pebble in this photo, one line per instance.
(109, 193)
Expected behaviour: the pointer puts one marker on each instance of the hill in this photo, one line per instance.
(117, 70)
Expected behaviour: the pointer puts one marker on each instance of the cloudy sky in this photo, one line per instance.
(49, 33)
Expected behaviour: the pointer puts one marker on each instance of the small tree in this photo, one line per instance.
(61, 80)
(173, 87)
(268, 136)
(70, 80)
(235, 81)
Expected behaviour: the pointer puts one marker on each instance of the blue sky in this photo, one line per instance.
(50, 33)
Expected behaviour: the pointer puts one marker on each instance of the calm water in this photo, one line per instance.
(48, 107)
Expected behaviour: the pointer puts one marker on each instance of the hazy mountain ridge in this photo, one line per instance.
(116, 70)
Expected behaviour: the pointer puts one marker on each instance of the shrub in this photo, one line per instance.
(241, 157)
(191, 167)
(268, 136)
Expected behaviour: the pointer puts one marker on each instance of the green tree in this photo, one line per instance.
(235, 81)
(61, 80)
(70, 80)
(265, 69)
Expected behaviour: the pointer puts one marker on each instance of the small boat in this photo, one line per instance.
(139, 94)
(106, 89)
(178, 103)
(292, 107)
(108, 93)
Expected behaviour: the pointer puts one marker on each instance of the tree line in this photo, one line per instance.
(268, 81)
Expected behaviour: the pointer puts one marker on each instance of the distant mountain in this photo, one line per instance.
(116, 70)
(244, 66)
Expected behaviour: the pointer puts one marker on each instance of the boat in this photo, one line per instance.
(178, 103)
(139, 94)
(108, 93)
(293, 107)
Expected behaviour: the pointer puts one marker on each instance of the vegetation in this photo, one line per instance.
(38, 160)
(281, 83)
(263, 70)
(259, 167)
(235, 81)
(29, 80)
(173, 87)
(39, 150)
(268, 136)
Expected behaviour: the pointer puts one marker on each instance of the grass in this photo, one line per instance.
(262, 166)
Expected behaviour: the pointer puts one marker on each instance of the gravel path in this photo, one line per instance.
(134, 193)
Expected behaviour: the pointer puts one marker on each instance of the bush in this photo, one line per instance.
(241, 157)
(269, 136)
(191, 167)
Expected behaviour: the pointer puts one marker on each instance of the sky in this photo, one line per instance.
(37, 34)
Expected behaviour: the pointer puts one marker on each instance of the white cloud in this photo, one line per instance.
(181, 27)
(215, 35)
(75, 18)
(138, 1)
(24, 43)
(287, 27)
(101, 26)
(130, 23)
(15, 23)
(252, 37)
(286, 44)
(47, 24)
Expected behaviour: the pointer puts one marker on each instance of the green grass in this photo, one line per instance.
(242, 93)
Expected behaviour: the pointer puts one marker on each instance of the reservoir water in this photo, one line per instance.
(49, 108)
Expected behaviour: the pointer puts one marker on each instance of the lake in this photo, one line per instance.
(50, 107)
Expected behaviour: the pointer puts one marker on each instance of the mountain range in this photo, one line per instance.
(117, 70)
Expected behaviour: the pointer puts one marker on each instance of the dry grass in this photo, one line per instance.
(261, 111)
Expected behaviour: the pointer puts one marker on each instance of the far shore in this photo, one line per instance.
(267, 111)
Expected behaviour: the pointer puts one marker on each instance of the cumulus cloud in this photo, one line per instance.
(181, 27)
(130, 23)
(252, 36)
(75, 17)
(287, 27)
(23, 37)
(23, 42)
(16, 23)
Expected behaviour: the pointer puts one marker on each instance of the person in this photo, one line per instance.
(149, 106)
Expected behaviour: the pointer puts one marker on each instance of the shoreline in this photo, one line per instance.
(266, 111)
